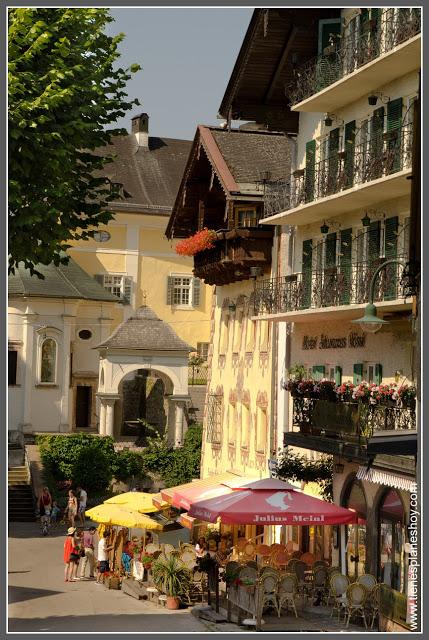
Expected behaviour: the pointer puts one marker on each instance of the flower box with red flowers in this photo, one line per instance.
(200, 241)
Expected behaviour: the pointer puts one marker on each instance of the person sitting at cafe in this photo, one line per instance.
(221, 555)
(201, 548)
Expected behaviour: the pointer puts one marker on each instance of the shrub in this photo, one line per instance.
(128, 464)
(293, 466)
(86, 460)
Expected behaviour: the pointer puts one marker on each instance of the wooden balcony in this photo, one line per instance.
(235, 252)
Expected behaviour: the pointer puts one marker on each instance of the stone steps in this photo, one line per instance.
(21, 503)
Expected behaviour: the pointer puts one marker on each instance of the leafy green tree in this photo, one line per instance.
(64, 91)
(293, 466)
(128, 464)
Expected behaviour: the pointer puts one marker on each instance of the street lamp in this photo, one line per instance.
(370, 322)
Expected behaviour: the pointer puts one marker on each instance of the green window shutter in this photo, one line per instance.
(128, 285)
(338, 375)
(391, 237)
(378, 374)
(99, 277)
(349, 149)
(375, 166)
(331, 250)
(170, 290)
(357, 373)
(196, 292)
(374, 241)
(318, 372)
(310, 169)
(345, 265)
(307, 262)
(334, 145)
(394, 125)
(390, 251)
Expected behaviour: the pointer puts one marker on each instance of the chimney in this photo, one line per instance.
(140, 128)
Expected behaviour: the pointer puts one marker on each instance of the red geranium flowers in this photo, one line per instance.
(200, 241)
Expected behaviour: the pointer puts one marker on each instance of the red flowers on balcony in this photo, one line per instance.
(200, 241)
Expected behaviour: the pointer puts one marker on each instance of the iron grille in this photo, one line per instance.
(214, 418)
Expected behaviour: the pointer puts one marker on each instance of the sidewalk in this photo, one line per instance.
(40, 600)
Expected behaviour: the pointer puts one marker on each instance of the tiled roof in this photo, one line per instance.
(249, 154)
(150, 176)
(64, 281)
(146, 332)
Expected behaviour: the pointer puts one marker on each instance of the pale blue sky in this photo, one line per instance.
(187, 56)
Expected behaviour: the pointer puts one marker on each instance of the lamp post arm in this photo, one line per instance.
(377, 271)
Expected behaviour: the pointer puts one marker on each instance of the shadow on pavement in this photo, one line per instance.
(33, 530)
(21, 594)
(147, 622)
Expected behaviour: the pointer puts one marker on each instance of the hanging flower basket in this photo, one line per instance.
(200, 241)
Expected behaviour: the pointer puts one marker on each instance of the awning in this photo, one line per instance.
(385, 477)
(184, 495)
(186, 521)
(270, 502)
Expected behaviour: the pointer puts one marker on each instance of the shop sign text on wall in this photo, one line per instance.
(352, 341)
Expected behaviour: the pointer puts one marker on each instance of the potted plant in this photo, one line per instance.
(325, 389)
(171, 577)
(407, 396)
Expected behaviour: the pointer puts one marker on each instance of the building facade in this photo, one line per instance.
(345, 219)
(53, 326)
(222, 190)
(130, 256)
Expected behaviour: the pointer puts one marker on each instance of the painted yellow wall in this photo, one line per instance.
(139, 248)
(241, 371)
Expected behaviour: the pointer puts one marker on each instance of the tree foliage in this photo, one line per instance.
(293, 466)
(64, 91)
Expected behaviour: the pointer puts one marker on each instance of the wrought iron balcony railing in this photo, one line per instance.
(350, 420)
(378, 156)
(339, 285)
(353, 50)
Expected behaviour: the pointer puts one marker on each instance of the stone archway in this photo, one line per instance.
(144, 343)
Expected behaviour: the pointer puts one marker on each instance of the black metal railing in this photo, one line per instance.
(335, 286)
(377, 156)
(350, 420)
(353, 50)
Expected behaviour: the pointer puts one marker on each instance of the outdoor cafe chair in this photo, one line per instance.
(308, 558)
(253, 564)
(338, 587)
(168, 548)
(290, 565)
(300, 568)
(248, 573)
(267, 591)
(320, 587)
(279, 559)
(320, 563)
(188, 557)
(263, 551)
(356, 595)
(289, 546)
(297, 554)
(152, 547)
(369, 581)
(373, 602)
(249, 551)
(286, 592)
(271, 570)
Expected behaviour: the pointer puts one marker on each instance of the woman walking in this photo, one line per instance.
(45, 501)
(71, 556)
(72, 508)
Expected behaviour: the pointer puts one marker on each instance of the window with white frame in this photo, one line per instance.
(48, 361)
(117, 284)
(183, 290)
(261, 429)
(203, 349)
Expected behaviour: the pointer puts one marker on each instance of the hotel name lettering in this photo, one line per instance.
(352, 341)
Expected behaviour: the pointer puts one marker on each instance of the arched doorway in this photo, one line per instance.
(355, 534)
(144, 396)
(392, 559)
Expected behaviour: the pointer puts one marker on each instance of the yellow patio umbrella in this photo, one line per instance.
(121, 515)
(139, 501)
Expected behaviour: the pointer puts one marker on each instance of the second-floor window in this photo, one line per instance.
(117, 284)
(183, 290)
